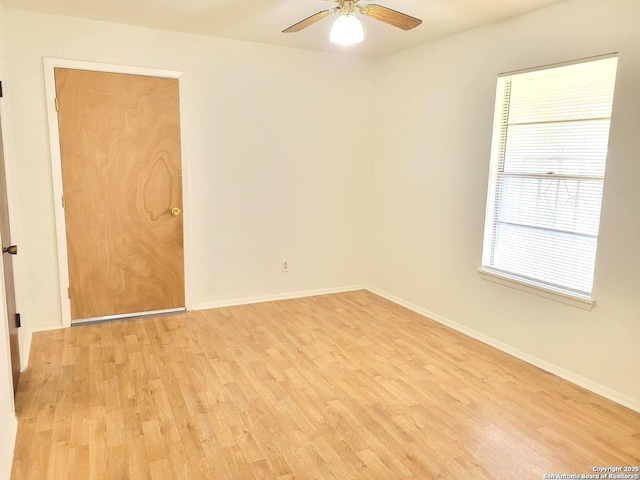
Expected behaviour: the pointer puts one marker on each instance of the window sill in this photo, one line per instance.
(568, 298)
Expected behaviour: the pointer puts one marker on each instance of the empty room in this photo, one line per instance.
(305, 239)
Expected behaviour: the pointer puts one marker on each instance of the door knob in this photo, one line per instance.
(12, 250)
(175, 211)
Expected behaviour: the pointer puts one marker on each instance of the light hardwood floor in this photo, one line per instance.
(346, 386)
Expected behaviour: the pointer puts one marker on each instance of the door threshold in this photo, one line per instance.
(107, 318)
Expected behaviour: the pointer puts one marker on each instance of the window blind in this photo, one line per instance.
(551, 135)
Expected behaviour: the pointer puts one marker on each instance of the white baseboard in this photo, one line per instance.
(272, 298)
(25, 346)
(7, 445)
(572, 377)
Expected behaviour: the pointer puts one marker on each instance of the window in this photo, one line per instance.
(551, 132)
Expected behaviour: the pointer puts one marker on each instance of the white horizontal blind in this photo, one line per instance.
(548, 168)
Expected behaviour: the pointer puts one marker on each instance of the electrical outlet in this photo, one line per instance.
(284, 266)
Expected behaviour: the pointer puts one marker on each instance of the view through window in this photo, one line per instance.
(549, 152)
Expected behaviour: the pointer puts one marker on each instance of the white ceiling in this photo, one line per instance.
(263, 20)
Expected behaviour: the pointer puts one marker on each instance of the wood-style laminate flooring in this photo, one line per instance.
(345, 386)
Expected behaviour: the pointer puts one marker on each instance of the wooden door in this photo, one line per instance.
(7, 262)
(122, 184)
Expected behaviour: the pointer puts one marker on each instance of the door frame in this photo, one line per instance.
(50, 64)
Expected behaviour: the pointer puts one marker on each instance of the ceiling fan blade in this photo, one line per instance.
(386, 15)
(309, 20)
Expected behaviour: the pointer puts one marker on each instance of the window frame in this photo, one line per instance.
(496, 173)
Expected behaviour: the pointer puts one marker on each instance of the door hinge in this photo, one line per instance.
(69, 292)
(63, 202)
(0, 89)
(57, 104)
(18, 322)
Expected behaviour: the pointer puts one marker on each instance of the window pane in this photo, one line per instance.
(568, 205)
(551, 132)
(572, 148)
(556, 258)
(566, 93)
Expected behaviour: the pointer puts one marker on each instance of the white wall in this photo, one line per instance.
(7, 414)
(434, 121)
(276, 166)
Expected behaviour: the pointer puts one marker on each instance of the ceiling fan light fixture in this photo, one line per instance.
(346, 30)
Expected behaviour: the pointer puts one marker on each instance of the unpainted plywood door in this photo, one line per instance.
(8, 251)
(122, 184)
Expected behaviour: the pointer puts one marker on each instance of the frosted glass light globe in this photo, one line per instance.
(346, 30)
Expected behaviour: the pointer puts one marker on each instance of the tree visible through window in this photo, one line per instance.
(551, 133)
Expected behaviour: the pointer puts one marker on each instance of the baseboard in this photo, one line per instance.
(7, 445)
(272, 298)
(25, 346)
(583, 382)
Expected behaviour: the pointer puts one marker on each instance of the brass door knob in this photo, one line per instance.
(175, 211)
(12, 250)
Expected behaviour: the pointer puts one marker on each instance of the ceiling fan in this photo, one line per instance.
(347, 8)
